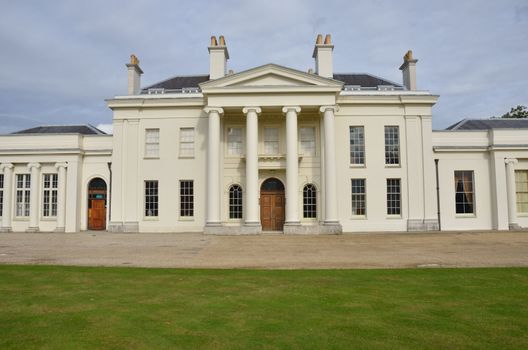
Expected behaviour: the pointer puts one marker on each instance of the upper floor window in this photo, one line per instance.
(307, 141)
(1, 194)
(309, 201)
(357, 145)
(521, 190)
(234, 141)
(152, 142)
(49, 198)
(151, 198)
(187, 198)
(187, 142)
(235, 202)
(271, 140)
(464, 192)
(23, 191)
(392, 145)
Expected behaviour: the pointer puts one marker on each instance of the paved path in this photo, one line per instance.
(375, 250)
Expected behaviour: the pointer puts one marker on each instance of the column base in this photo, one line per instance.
(316, 229)
(331, 228)
(32, 229)
(5, 229)
(232, 230)
(414, 225)
(127, 226)
(60, 229)
(514, 227)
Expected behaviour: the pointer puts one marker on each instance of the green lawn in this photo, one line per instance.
(131, 308)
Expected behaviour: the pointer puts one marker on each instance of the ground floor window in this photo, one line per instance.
(49, 198)
(187, 198)
(309, 201)
(151, 198)
(393, 197)
(521, 190)
(464, 192)
(358, 197)
(23, 185)
(235, 202)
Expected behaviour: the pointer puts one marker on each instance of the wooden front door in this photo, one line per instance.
(97, 215)
(272, 211)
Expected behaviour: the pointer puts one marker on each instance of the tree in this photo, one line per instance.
(516, 112)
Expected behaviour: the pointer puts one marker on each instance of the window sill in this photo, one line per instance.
(48, 218)
(151, 218)
(465, 216)
(393, 217)
(522, 215)
(151, 157)
(358, 166)
(185, 157)
(392, 165)
(21, 218)
(186, 218)
(358, 217)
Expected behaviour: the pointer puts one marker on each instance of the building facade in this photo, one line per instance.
(268, 149)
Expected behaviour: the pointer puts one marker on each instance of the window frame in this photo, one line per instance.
(228, 142)
(151, 200)
(235, 205)
(359, 194)
(265, 142)
(314, 140)
(362, 150)
(473, 213)
(148, 143)
(50, 192)
(25, 197)
(517, 191)
(309, 203)
(182, 211)
(387, 146)
(182, 141)
(393, 200)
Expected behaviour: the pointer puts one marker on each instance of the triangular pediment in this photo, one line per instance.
(270, 76)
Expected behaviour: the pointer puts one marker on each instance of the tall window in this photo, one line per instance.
(309, 201)
(152, 142)
(464, 192)
(23, 185)
(271, 140)
(49, 198)
(234, 141)
(186, 198)
(392, 145)
(235, 202)
(521, 190)
(187, 142)
(151, 198)
(358, 197)
(393, 197)
(357, 145)
(1, 194)
(307, 141)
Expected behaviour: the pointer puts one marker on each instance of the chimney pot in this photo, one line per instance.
(319, 39)
(222, 41)
(328, 39)
(213, 41)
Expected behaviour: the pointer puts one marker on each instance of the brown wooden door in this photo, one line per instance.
(97, 215)
(272, 211)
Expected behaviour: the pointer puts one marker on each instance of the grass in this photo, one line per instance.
(53, 307)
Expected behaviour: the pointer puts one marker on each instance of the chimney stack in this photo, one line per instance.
(134, 76)
(408, 69)
(218, 57)
(323, 54)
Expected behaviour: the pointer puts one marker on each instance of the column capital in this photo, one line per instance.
(61, 165)
(285, 109)
(510, 161)
(33, 165)
(255, 109)
(210, 109)
(334, 108)
(6, 166)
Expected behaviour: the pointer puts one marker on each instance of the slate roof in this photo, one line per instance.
(85, 129)
(192, 81)
(486, 124)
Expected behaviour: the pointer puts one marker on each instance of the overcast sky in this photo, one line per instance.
(59, 60)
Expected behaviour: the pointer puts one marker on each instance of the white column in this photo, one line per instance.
(7, 203)
(330, 166)
(61, 197)
(292, 166)
(213, 166)
(34, 168)
(252, 190)
(510, 186)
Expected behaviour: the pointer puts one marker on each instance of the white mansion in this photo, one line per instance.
(268, 149)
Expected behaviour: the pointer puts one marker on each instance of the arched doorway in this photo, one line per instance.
(272, 205)
(97, 204)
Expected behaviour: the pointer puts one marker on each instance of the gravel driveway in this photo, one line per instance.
(373, 250)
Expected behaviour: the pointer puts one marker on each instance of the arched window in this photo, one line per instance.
(235, 202)
(309, 201)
